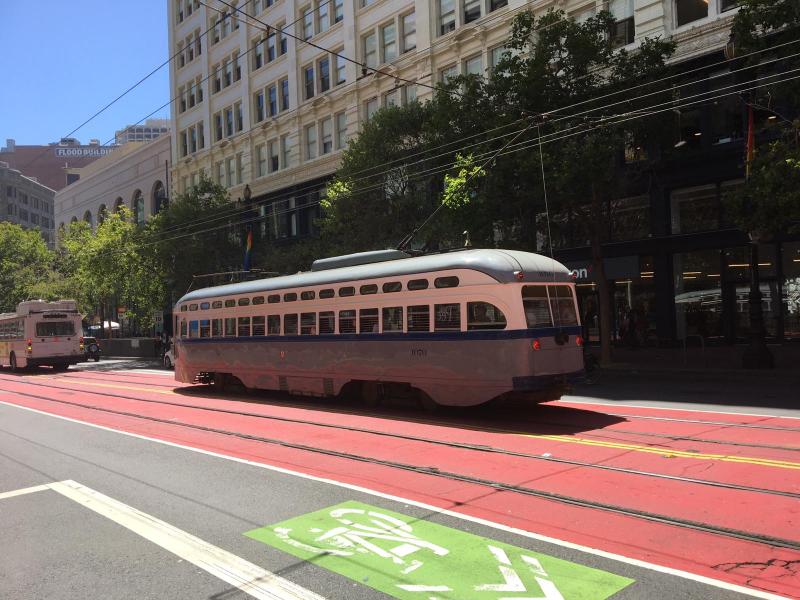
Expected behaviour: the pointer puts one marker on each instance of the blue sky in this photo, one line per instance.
(66, 59)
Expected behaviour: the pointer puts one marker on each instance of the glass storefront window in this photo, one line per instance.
(791, 291)
(737, 286)
(695, 209)
(698, 294)
(630, 218)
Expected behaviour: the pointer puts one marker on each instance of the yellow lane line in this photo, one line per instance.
(765, 462)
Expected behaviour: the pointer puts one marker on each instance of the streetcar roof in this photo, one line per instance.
(501, 265)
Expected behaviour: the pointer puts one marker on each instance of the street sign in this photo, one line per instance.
(410, 559)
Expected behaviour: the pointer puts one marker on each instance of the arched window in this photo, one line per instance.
(138, 207)
(73, 220)
(117, 203)
(101, 214)
(160, 201)
(87, 216)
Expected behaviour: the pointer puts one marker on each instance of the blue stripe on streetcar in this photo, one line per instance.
(512, 334)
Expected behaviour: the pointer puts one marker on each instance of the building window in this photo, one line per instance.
(239, 116)
(261, 160)
(324, 16)
(495, 55)
(308, 23)
(217, 79)
(274, 163)
(283, 45)
(472, 10)
(391, 98)
(694, 210)
(622, 32)
(370, 108)
(324, 75)
(340, 68)
(308, 81)
(447, 16)
(239, 168)
(338, 10)
(230, 165)
(271, 46)
(228, 122)
(389, 43)
(474, 65)
(259, 102)
(370, 51)
(286, 152)
(341, 131)
(258, 54)
(409, 25)
(495, 4)
(201, 137)
(284, 83)
(446, 74)
(690, 10)
(311, 142)
(410, 93)
(273, 100)
(184, 144)
(327, 135)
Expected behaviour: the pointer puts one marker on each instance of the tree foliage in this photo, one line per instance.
(25, 266)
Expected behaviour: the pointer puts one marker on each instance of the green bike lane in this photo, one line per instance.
(335, 540)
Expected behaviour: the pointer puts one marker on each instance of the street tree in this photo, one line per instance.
(25, 263)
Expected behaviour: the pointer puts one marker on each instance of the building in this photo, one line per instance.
(255, 106)
(135, 175)
(26, 202)
(151, 129)
(48, 164)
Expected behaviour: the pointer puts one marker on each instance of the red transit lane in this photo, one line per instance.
(708, 554)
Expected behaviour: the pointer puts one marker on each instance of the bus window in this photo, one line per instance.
(347, 291)
(308, 295)
(329, 293)
(368, 289)
(446, 282)
(205, 328)
(327, 321)
(447, 317)
(54, 328)
(274, 325)
(205, 305)
(368, 320)
(216, 304)
(537, 311)
(258, 300)
(183, 328)
(290, 324)
(244, 302)
(393, 319)
(230, 327)
(193, 329)
(308, 324)
(347, 321)
(563, 305)
(273, 298)
(482, 315)
(230, 303)
(418, 317)
(216, 328)
(258, 325)
(243, 329)
(290, 297)
(417, 284)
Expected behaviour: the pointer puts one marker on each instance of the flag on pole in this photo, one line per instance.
(751, 141)
(248, 250)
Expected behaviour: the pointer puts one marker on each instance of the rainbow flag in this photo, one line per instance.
(248, 250)
(751, 142)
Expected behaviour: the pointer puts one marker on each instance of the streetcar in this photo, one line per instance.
(456, 328)
(41, 333)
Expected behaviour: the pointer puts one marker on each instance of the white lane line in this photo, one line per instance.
(228, 567)
(437, 510)
(623, 404)
(23, 491)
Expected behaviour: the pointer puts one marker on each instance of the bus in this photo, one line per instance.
(41, 333)
(457, 328)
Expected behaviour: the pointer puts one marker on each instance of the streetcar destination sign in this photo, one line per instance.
(410, 558)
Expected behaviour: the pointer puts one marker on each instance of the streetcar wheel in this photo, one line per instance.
(427, 403)
(167, 363)
(370, 393)
(220, 381)
(13, 363)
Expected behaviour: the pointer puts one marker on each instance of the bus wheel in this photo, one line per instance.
(13, 363)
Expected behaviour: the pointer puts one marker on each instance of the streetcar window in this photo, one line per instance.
(205, 328)
(347, 321)
(290, 297)
(193, 307)
(230, 327)
(183, 328)
(193, 329)
(482, 315)
(365, 290)
(447, 317)
(563, 305)
(392, 286)
(244, 301)
(446, 282)
(368, 320)
(308, 324)
(347, 291)
(55, 328)
(273, 298)
(216, 304)
(184, 308)
(419, 317)
(328, 293)
(417, 284)
(243, 330)
(274, 325)
(307, 295)
(216, 328)
(259, 324)
(230, 303)
(537, 311)
(290, 324)
(327, 321)
(205, 305)
(393, 319)
(258, 300)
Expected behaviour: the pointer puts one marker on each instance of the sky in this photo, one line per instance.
(64, 60)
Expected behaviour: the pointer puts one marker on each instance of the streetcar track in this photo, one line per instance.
(497, 485)
(459, 445)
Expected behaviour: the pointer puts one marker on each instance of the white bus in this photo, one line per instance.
(41, 333)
